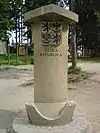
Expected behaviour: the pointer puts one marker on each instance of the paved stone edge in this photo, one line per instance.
(78, 125)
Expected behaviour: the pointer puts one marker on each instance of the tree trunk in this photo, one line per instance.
(73, 38)
(21, 24)
(16, 42)
(73, 45)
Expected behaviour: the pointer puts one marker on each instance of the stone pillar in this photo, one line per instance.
(50, 66)
(50, 38)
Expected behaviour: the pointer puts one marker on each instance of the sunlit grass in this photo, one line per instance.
(13, 60)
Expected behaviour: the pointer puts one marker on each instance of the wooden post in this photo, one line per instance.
(17, 54)
(8, 55)
(26, 54)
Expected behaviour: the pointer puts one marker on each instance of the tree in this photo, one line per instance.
(16, 13)
(87, 30)
(5, 22)
(32, 4)
(73, 38)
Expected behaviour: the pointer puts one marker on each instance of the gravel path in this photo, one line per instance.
(13, 94)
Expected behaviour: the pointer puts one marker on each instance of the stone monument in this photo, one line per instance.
(51, 111)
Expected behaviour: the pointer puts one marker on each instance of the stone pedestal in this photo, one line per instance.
(78, 125)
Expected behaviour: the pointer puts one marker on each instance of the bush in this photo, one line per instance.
(32, 60)
(77, 75)
(77, 70)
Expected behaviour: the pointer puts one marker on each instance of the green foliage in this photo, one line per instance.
(72, 70)
(32, 4)
(94, 59)
(77, 75)
(32, 60)
(96, 4)
(21, 60)
(5, 22)
(87, 28)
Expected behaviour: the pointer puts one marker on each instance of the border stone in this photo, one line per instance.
(78, 125)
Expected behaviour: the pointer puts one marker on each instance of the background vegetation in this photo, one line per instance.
(87, 30)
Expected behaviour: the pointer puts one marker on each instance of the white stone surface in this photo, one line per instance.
(50, 72)
(60, 116)
(78, 125)
(53, 10)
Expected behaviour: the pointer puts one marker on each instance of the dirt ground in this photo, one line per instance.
(87, 95)
(13, 94)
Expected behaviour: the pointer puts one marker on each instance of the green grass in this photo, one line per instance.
(88, 59)
(22, 60)
(77, 70)
(77, 74)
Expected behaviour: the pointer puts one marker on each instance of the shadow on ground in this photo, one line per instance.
(6, 118)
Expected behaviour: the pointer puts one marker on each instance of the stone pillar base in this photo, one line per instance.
(78, 125)
(50, 113)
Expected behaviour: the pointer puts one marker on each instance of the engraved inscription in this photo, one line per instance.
(50, 52)
(51, 33)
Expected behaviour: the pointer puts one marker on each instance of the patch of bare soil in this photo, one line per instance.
(27, 83)
(75, 78)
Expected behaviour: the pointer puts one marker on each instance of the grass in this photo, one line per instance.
(77, 70)
(77, 74)
(22, 60)
(91, 59)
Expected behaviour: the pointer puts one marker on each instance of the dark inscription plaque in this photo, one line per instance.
(51, 33)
